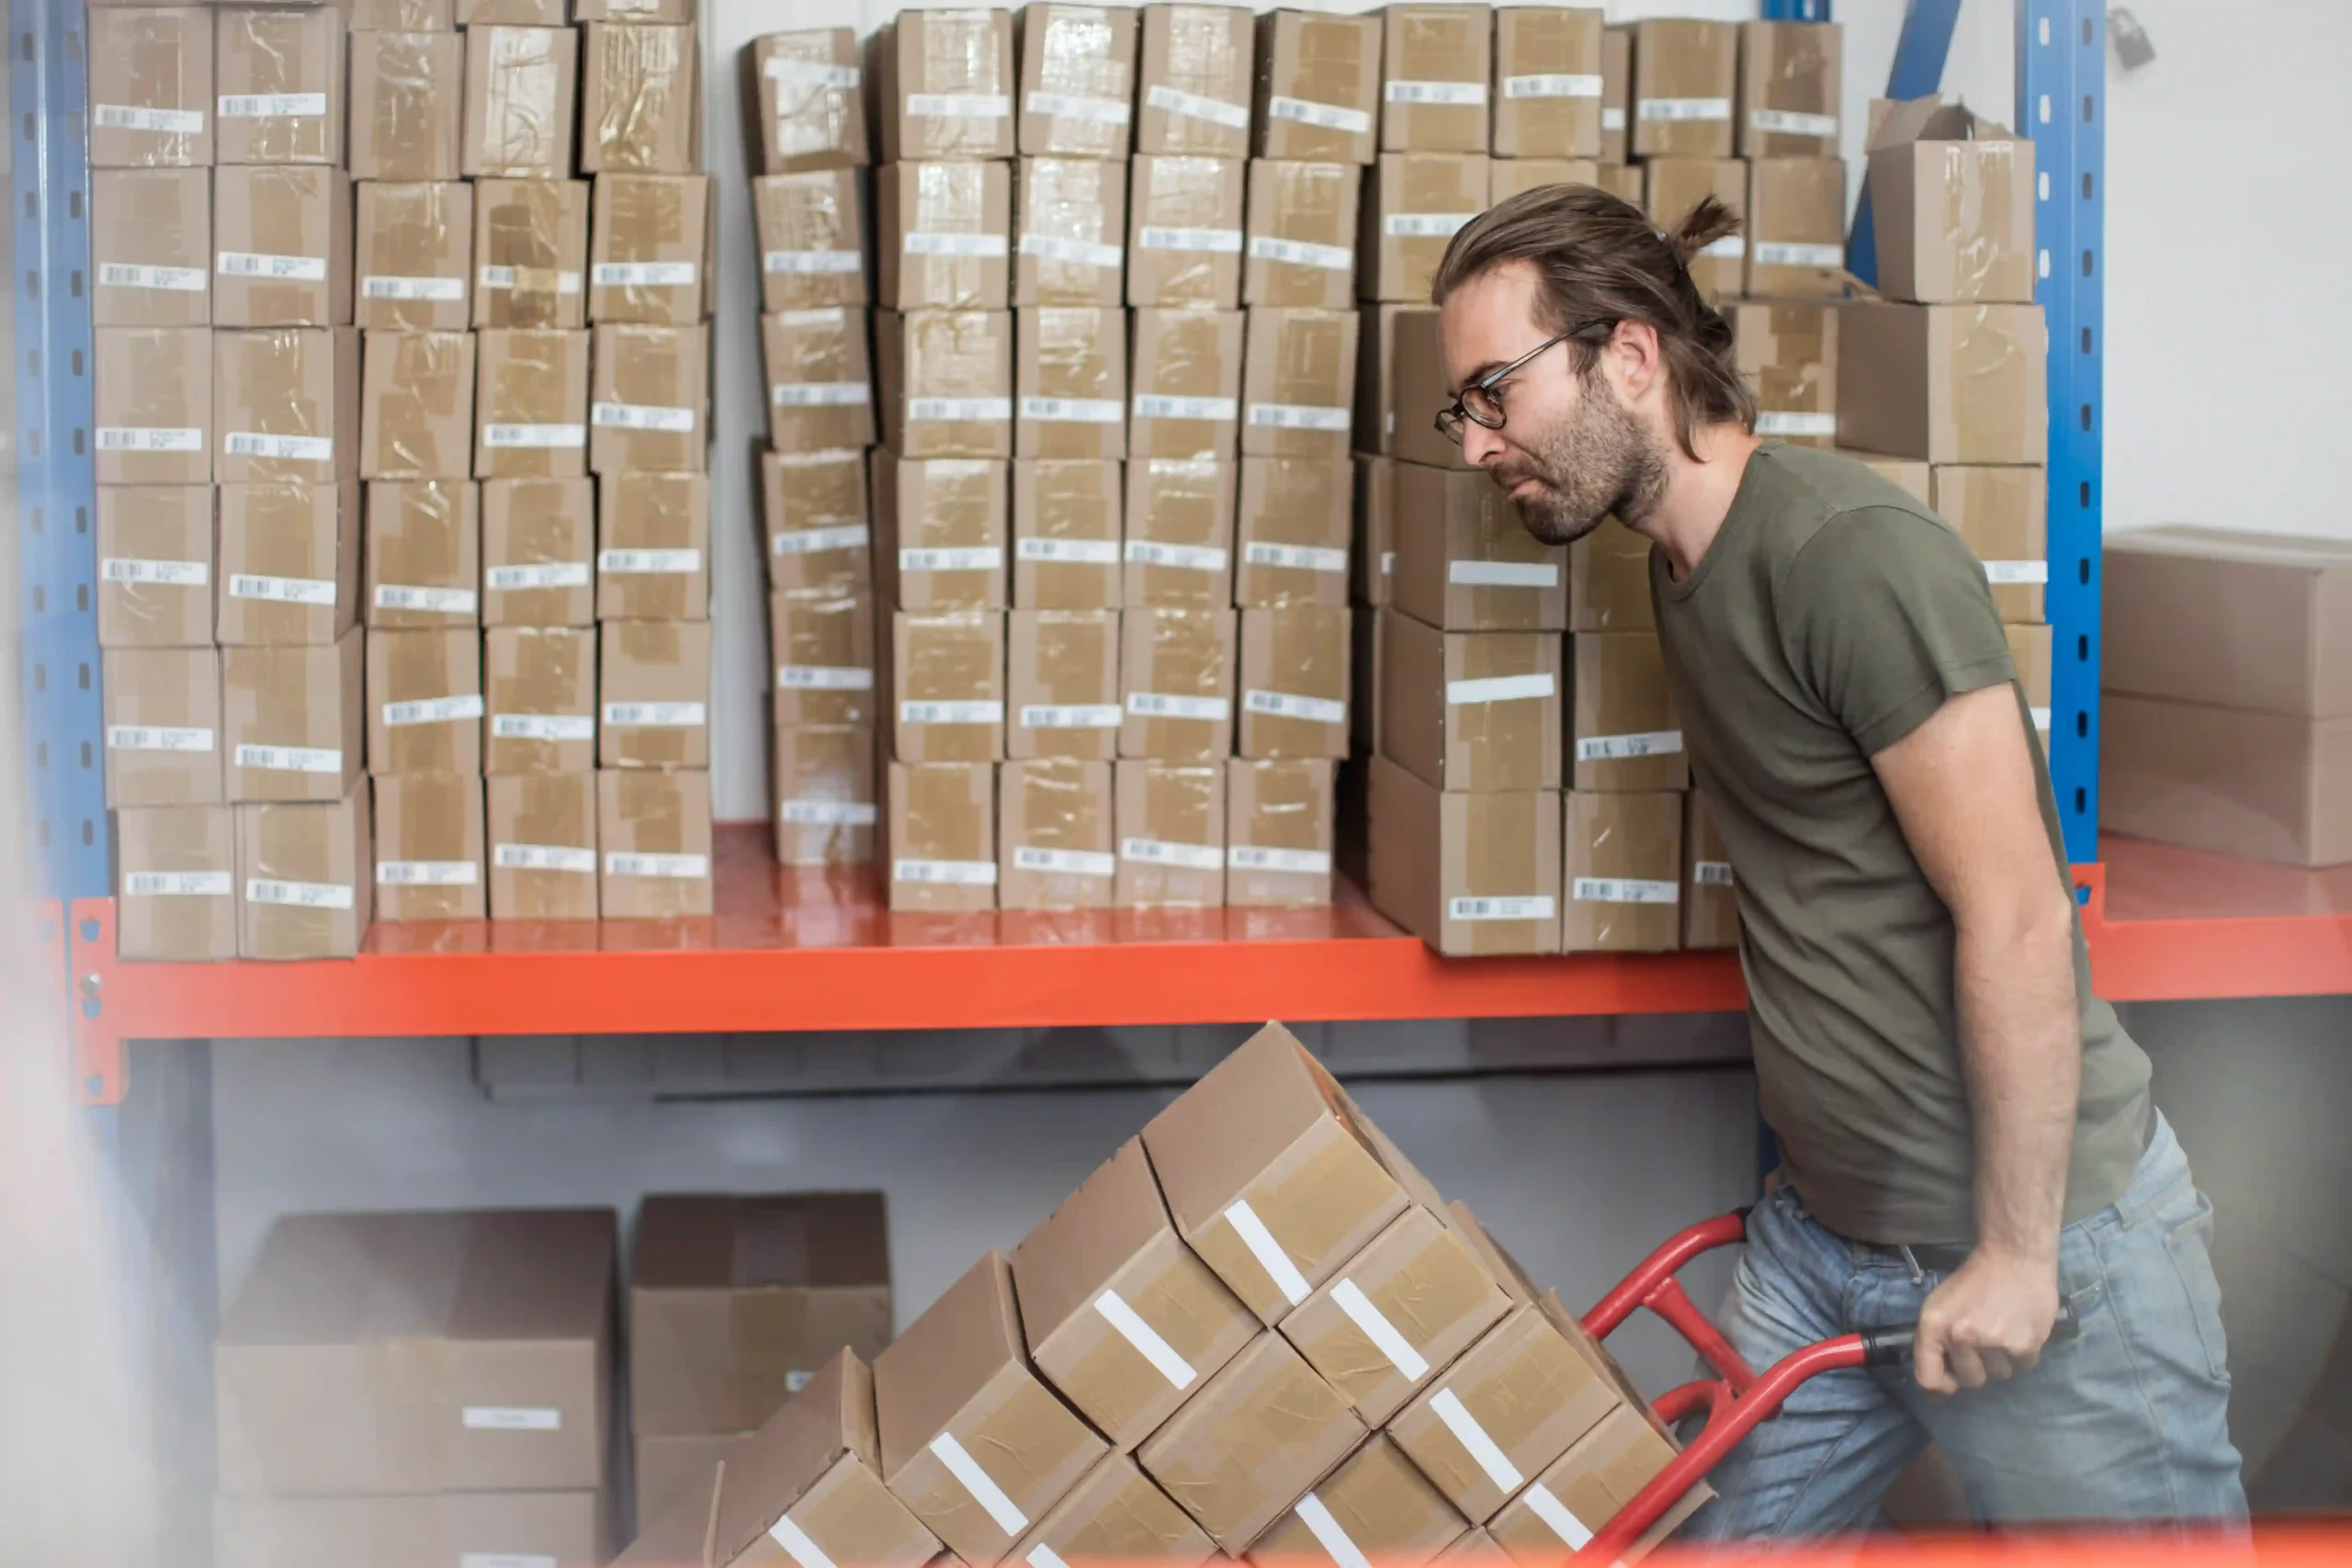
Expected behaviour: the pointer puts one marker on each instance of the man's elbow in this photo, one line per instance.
(2020, 919)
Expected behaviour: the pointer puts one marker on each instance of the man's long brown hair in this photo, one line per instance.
(1601, 262)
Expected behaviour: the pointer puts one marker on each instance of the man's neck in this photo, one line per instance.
(1698, 495)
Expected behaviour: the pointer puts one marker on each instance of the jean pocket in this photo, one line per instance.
(2186, 1243)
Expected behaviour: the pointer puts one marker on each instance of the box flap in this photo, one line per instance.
(756, 1241)
(1065, 1262)
(1218, 1135)
(770, 1470)
(947, 1356)
(1895, 122)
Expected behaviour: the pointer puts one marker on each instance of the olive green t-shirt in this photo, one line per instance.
(1832, 615)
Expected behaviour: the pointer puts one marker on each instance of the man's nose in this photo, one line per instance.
(1479, 444)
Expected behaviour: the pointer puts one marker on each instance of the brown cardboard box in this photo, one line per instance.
(1375, 568)
(404, 15)
(649, 402)
(1617, 102)
(294, 720)
(946, 84)
(825, 657)
(304, 891)
(1184, 233)
(1950, 383)
(1294, 523)
(2229, 618)
(1472, 1546)
(1318, 87)
(531, 403)
(1066, 522)
(943, 523)
(151, 87)
(1255, 1435)
(1671, 187)
(175, 883)
(664, 13)
(1410, 389)
(1473, 566)
(2235, 781)
(1586, 1487)
(1072, 382)
(1176, 683)
(812, 110)
(542, 689)
(1790, 85)
(1908, 475)
(1685, 73)
(947, 686)
(1296, 668)
(654, 829)
(1297, 382)
(429, 841)
(1506, 177)
(156, 548)
(826, 795)
(416, 419)
(1187, 377)
(941, 836)
(1062, 671)
(2030, 649)
(640, 109)
(943, 236)
(542, 844)
(820, 535)
(1280, 831)
(655, 683)
(1413, 204)
(972, 1442)
(1952, 197)
(153, 405)
(1053, 835)
(531, 236)
(555, 1530)
(1623, 181)
(424, 703)
(1470, 874)
(2003, 514)
(407, 105)
(1787, 353)
(538, 550)
(1170, 819)
(422, 559)
(1624, 873)
(665, 1469)
(1115, 1513)
(653, 546)
(1376, 1502)
(1077, 80)
(1609, 580)
(151, 247)
(1180, 520)
(1413, 1299)
(1301, 234)
(1477, 711)
(812, 240)
(520, 83)
(1796, 227)
(287, 403)
(162, 719)
(290, 563)
(946, 380)
(1436, 63)
(1710, 897)
(1069, 229)
(1548, 82)
(472, 13)
(1195, 75)
(1623, 735)
(279, 74)
(414, 255)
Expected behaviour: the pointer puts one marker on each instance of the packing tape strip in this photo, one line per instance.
(985, 1492)
(1472, 1437)
(796, 1544)
(1555, 1513)
(1379, 1330)
(1145, 1339)
(1326, 1529)
(1267, 1250)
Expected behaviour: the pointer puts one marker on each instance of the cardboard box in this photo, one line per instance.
(641, 104)
(290, 563)
(416, 419)
(294, 720)
(1617, 98)
(812, 109)
(654, 829)
(665, 1469)
(943, 236)
(1077, 80)
(542, 843)
(415, 253)
(1280, 833)
(1196, 75)
(1470, 874)
(531, 236)
(1176, 670)
(1414, 202)
(425, 702)
(1788, 355)
(649, 404)
(1709, 896)
(1415, 1288)
(1317, 86)
(1685, 73)
(1297, 382)
(1062, 669)
(1254, 1437)
(407, 105)
(653, 546)
(288, 402)
(422, 558)
(1295, 670)
(557, 1529)
(404, 15)
(1053, 835)
(2235, 781)
(812, 240)
(1477, 711)
(1623, 181)
(1115, 1513)
(1474, 567)
(1069, 229)
(947, 686)
(520, 83)
(1797, 228)
(1586, 1487)
(1436, 63)
(1609, 580)
(1375, 568)
(1301, 234)
(1548, 82)
(175, 879)
(1624, 873)
(531, 403)
(941, 836)
(304, 891)
(163, 718)
(538, 552)
(1180, 520)
(1066, 525)
(2003, 514)
(825, 655)
(1672, 187)
(1184, 233)
(2228, 618)
(1506, 177)
(663, 13)
(1950, 383)
(151, 247)
(1410, 388)
(2030, 649)
(1187, 377)
(279, 74)
(820, 534)
(655, 683)
(1170, 820)
(152, 401)
(1908, 475)
(1376, 1502)
(1072, 382)
(1623, 735)
(513, 13)
(1952, 198)
(946, 86)
(428, 837)
(1294, 522)
(943, 525)
(156, 547)
(151, 87)
(542, 689)
(826, 795)
(1791, 85)
(945, 379)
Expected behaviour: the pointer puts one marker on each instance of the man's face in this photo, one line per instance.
(1570, 451)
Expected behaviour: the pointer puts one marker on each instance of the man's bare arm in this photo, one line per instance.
(1963, 788)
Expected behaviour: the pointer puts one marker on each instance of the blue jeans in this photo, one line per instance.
(2128, 1420)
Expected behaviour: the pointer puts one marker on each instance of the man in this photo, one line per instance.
(1966, 1131)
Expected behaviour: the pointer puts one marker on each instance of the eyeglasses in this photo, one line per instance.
(1479, 404)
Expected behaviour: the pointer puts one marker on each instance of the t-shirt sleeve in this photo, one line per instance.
(1885, 614)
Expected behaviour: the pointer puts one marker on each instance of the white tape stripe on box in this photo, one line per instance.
(985, 1492)
(796, 1544)
(1145, 1338)
(1326, 1529)
(1555, 1513)
(1267, 1250)
(1472, 1437)
(1379, 1330)
(1044, 1556)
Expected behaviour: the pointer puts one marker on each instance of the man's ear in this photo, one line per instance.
(1634, 359)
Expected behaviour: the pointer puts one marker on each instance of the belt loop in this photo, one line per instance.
(1918, 1275)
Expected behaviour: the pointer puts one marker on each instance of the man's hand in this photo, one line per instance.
(1988, 1320)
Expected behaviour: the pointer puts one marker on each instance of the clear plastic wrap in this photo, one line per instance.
(520, 87)
(639, 104)
(407, 105)
(279, 77)
(811, 100)
(1077, 80)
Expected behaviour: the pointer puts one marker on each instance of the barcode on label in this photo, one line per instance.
(936, 243)
(281, 590)
(824, 678)
(1556, 85)
(1216, 111)
(536, 279)
(542, 857)
(179, 884)
(807, 262)
(670, 563)
(158, 573)
(299, 895)
(960, 105)
(806, 812)
(810, 73)
(1299, 557)
(2012, 572)
(1080, 252)
(620, 863)
(941, 711)
(1531, 906)
(542, 727)
(1069, 552)
(434, 710)
(1191, 557)
(1154, 405)
(644, 274)
(1711, 872)
(655, 716)
(1424, 225)
(434, 288)
(545, 574)
(427, 873)
(943, 408)
(1299, 416)
(277, 270)
(273, 105)
(952, 873)
(821, 394)
(1079, 105)
(1329, 117)
(291, 759)
(148, 438)
(1303, 252)
(1068, 862)
(1218, 242)
(1784, 252)
(1788, 122)
(1169, 705)
(1163, 851)
(1462, 93)
(1255, 857)
(1073, 410)
(170, 122)
(175, 279)
(1070, 716)
(1287, 705)
(1655, 110)
(1620, 748)
(435, 600)
(157, 737)
(535, 436)
(289, 448)
(819, 541)
(642, 417)
(964, 557)
(1624, 890)
(1792, 422)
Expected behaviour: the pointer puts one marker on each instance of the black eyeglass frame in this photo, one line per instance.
(1452, 418)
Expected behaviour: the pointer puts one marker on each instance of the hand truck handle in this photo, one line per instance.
(1892, 1346)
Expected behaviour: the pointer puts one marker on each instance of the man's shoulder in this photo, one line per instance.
(1808, 490)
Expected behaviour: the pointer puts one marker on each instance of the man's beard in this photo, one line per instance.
(1598, 461)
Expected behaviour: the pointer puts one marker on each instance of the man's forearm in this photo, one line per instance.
(2021, 1057)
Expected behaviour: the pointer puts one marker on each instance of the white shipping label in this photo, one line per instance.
(541, 436)
(993, 410)
(1530, 907)
(541, 574)
(656, 716)
(1299, 416)
(1044, 1556)
(438, 290)
(821, 541)
(1553, 85)
(1073, 410)
(1482, 1449)
(960, 105)
(149, 438)
(794, 1541)
(432, 601)
(1191, 557)
(945, 873)
(1624, 890)
(1612, 120)
(1329, 117)
(434, 710)
(689, 868)
(178, 884)
(1070, 716)
(276, 269)
(1255, 857)
(1287, 705)
(281, 590)
(1503, 574)
(298, 895)
(811, 262)
(642, 417)
(913, 712)
(1500, 688)
(645, 275)
(2040, 719)
(1794, 421)
(1217, 242)
(543, 726)
(506, 1559)
(1172, 101)
(806, 811)
(811, 73)
(668, 563)
(291, 759)
(1788, 122)
(824, 678)
(157, 737)
(1554, 1514)
(1424, 225)
(543, 857)
(287, 448)
(500, 278)
(1349, 1298)
(1155, 405)
(426, 873)
(169, 122)
(1079, 105)
(1316, 1517)
(1266, 1250)
(511, 1418)
(1437, 91)
(958, 557)
(156, 573)
(933, 242)
(1669, 111)
(1068, 552)
(1165, 852)
(173, 279)
(273, 105)
(1080, 252)
(821, 394)
(1785, 252)
(1168, 704)
(1388, 563)
(1731, 247)
(1299, 557)
(1066, 862)
(1711, 872)
(2007, 572)
(1303, 252)
(967, 1469)
(1618, 748)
